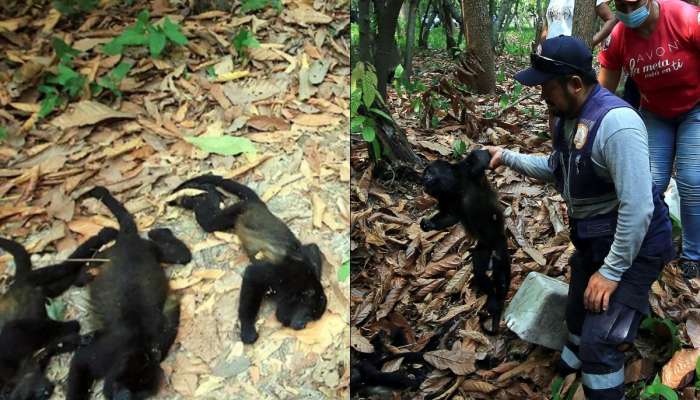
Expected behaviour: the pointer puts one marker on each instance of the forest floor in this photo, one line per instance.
(174, 117)
(417, 283)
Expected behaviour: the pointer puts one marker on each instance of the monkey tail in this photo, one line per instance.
(242, 191)
(23, 263)
(126, 221)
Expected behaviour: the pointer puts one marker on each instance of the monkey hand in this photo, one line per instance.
(598, 293)
(496, 154)
(248, 334)
(427, 225)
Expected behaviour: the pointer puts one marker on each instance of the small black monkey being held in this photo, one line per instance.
(465, 196)
(28, 338)
(280, 264)
(136, 314)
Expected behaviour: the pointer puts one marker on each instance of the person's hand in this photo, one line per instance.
(598, 293)
(496, 153)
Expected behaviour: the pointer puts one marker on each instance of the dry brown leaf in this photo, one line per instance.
(318, 207)
(473, 385)
(304, 15)
(436, 268)
(316, 119)
(359, 342)
(460, 362)
(266, 123)
(11, 25)
(692, 327)
(676, 369)
(88, 112)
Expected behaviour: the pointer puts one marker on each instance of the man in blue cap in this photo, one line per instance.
(619, 223)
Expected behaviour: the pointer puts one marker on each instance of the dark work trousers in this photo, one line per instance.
(631, 93)
(596, 340)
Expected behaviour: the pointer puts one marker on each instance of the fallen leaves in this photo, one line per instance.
(88, 112)
(679, 366)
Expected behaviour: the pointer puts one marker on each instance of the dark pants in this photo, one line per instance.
(631, 93)
(596, 340)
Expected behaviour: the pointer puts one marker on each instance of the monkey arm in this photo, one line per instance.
(56, 279)
(440, 221)
(258, 277)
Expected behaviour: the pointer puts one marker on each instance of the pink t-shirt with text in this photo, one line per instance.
(665, 66)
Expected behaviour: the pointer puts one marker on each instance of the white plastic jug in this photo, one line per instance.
(537, 311)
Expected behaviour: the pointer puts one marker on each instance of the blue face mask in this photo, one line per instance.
(635, 18)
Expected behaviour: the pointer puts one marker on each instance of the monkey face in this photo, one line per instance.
(302, 308)
(439, 178)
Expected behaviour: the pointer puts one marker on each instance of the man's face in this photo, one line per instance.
(561, 102)
(627, 7)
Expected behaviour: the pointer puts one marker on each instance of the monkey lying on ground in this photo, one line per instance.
(279, 262)
(25, 327)
(465, 196)
(137, 316)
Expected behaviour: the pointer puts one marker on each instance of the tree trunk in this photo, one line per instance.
(364, 28)
(427, 26)
(465, 27)
(538, 23)
(386, 54)
(584, 21)
(479, 40)
(446, 19)
(410, 38)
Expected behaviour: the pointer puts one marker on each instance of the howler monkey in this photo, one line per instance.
(25, 327)
(465, 196)
(137, 315)
(279, 262)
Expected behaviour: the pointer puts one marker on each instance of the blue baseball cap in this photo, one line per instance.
(558, 56)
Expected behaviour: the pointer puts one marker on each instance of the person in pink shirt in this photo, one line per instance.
(658, 46)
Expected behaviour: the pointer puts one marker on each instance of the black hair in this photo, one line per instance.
(588, 78)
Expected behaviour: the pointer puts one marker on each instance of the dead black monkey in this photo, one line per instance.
(279, 262)
(137, 314)
(25, 327)
(465, 196)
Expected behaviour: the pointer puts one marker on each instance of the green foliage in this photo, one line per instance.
(244, 40)
(344, 271)
(363, 95)
(256, 5)
(658, 390)
(459, 148)
(3, 132)
(56, 309)
(74, 7)
(112, 79)
(656, 325)
(556, 387)
(144, 33)
(697, 365)
(65, 83)
(224, 145)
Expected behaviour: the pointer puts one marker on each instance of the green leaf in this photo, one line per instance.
(369, 88)
(56, 309)
(381, 113)
(65, 74)
(344, 271)
(119, 72)
(357, 73)
(253, 5)
(63, 51)
(355, 101)
(244, 40)
(658, 388)
(172, 31)
(48, 104)
(156, 43)
(356, 123)
(503, 102)
(3, 133)
(113, 48)
(368, 133)
(556, 387)
(224, 145)
(142, 18)
(398, 71)
(459, 148)
(377, 150)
